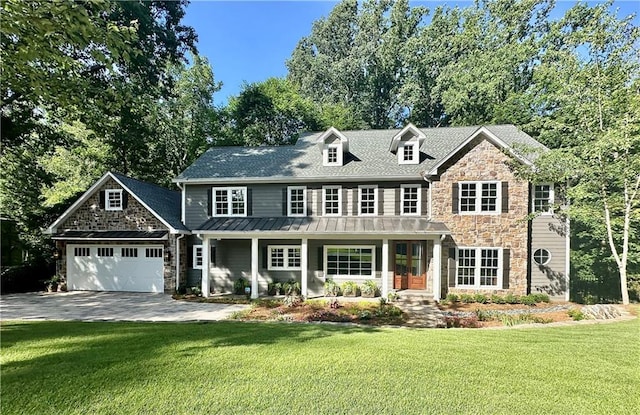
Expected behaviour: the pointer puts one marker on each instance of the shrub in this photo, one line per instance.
(514, 319)
(497, 299)
(511, 299)
(369, 288)
(274, 288)
(393, 296)
(528, 300)
(481, 298)
(452, 298)
(291, 287)
(541, 298)
(467, 298)
(349, 289)
(576, 314)
(239, 286)
(25, 278)
(196, 291)
(334, 304)
(483, 315)
(331, 288)
(292, 300)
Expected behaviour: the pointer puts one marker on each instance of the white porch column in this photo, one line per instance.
(385, 268)
(437, 268)
(254, 268)
(205, 266)
(304, 265)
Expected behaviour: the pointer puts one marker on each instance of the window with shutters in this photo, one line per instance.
(113, 199)
(410, 200)
(479, 267)
(283, 258)
(479, 197)
(543, 198)
(332, 200)
(297, 201)
(368, 200)
(229, 201)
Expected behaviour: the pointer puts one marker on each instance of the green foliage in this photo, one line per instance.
(291, 287)
(483, 315)
(452, 298)
(497, 299)
(467, 298)
(369, 288)
(349, 288)
(540, 297)
(274, 288)
(239, 285)
(510, 298)
(393, 296)
(526, 318)
(331, 288)
(528, 300)
(576, 314)
(480, 298)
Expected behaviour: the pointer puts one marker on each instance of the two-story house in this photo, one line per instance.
(435, 210)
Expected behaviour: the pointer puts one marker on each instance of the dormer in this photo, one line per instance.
(334, 145)
(406, 144)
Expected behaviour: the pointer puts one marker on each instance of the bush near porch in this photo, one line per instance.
(236, 367)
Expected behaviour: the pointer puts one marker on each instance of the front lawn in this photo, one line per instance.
(237, 368)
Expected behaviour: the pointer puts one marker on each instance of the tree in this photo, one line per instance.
(587, 90)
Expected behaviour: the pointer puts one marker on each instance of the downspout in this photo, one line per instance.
(178, 261)
(428, 180)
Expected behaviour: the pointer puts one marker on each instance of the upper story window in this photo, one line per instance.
(230, 201)
(408, 153)
(332, 155)
(334, 146)
(368, 201)
(410, 203)
(543, 198)
(296, 201)
(332, 200)
(479, 267)
(479, 197)
(113, 199)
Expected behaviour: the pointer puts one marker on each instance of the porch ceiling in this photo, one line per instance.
(324, 226)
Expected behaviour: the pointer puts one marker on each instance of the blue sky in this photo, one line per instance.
(250, 41)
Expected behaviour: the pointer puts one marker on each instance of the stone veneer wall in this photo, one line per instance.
(90, 217)
(482, 160)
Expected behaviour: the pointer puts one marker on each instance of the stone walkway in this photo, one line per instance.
(421, 312)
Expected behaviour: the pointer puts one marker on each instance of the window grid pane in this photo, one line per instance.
(542, 198)
(541, 257)
(350, 261)
(296, 201)
(277, 257)
(222, 202)
(367, 200)
(114, 200)
(332, 201)
(466, 266)
(105, 252)
(489, 267)
(410, 200)
(197, 259)
(332, 155)
(489, 197)
(129, 252)
(153, 252)
(467, 197)
(407, 152)
(293, 258)
(237, 202)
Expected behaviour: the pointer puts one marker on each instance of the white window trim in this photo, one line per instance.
(304, 200)
(551, 199)
(414, 150)
(325, 155)
(534, 258)
(287, 249)
(107, 202)
(196, 249)
(348, 277)
(375, 200)
(478, 266)
(419, 201)
(479, 210)
(229, 191)
(324, 200)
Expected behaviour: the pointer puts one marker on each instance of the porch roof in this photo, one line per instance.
(112, 235)
(323, 226)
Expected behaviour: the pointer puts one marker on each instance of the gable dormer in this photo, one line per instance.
(406, 144)
(334, 145)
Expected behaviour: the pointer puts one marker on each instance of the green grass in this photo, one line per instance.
(240, 368)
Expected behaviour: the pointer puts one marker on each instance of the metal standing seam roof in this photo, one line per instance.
(368, 157)
(326, 226)
(166, 203)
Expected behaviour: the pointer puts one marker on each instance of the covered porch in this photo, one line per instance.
(396, 252)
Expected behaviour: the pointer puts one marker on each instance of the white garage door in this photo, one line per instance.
(115, 268)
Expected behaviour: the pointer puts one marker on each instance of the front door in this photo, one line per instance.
(410, 266)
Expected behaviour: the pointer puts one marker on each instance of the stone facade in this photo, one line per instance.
(483, 161)
(90, 217)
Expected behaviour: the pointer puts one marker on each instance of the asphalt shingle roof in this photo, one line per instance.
(369, 156)
(166, 203)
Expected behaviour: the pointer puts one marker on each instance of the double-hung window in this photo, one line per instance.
(410, 203)
(113, 199)
(296, 201)
(349, 261)
(332, 200)
(543, 198)
(284, 257)
(479, 197)
(197, 257)
(479, 267)
(229, 201)
(368, 201)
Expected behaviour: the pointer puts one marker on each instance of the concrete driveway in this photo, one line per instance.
(109, 306)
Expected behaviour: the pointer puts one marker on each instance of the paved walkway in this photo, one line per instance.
(109, 306)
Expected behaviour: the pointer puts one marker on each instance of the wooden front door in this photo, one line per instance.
(409, 266)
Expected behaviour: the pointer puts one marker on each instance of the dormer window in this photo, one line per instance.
(406, 145)
(334, 146)
(113, 199)
(408, 155)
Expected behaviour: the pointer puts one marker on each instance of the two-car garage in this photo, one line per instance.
(117, 267)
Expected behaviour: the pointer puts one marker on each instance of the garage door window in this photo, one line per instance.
(105, 252)
(81, 251)
(153, 252)
(129, 252)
